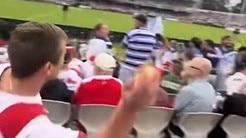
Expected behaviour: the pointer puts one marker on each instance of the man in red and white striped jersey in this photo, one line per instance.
(101, 88)
(36, 52)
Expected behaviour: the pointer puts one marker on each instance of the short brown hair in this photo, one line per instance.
(32, 45)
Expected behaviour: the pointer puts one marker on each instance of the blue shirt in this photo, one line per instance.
(139, 44)
(198, 96)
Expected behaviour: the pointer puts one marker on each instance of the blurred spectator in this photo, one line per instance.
(209, 52)
(198, 96)
(139, 43)
(101, 31)
(186, 57)
(237, 82)
(69, 76)
(4, 37)
(101, 88)
(195, 44)
(226, 63)
(171, 82)
(56, 90)
(159, 50)
(95, 47)
(4, 32)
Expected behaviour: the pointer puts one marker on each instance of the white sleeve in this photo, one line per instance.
(42, 127)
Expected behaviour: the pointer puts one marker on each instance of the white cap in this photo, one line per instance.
(105, 61)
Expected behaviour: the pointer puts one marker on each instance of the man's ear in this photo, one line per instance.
(47, 68)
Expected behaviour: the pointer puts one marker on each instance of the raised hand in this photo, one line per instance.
(141, 92)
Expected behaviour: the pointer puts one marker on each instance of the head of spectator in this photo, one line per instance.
(195, 42)
(173, 45)
(188, 55)
(242, 49)
(67, 60)
(40, 45)
(101, 30)
(104, 64)
(227, 42)
(140, 21)
(208, 45)
(4, 32)
(199, 68)
(176, 68)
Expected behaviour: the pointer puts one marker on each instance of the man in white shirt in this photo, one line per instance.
(36, 52)
(237, 82)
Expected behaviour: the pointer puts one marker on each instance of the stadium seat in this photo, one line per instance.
(152, 121)
(93, 117)
(58, 112)
(234, 126)
(198, 125)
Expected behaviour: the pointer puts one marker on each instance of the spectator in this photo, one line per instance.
(226, 63)
(101, 32)
(101, 88)
(158, 50)
(69, 76)
(210, 52)
(186, 57)
(195, 45)
(198, 96)
(237, 82)
(171, 82)
(4, 37)
(139, 44)
(36, 52)
(56, 90)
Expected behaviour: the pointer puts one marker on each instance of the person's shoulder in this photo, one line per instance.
(42, 127)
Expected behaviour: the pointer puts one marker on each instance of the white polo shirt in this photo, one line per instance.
(235, 83)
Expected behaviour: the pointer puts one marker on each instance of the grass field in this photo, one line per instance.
(42, 12)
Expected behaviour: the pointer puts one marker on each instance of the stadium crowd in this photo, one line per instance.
(199, 77)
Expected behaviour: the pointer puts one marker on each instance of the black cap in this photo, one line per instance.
(140, 17)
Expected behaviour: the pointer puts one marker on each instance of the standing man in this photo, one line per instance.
(227, 62)
(139, 43)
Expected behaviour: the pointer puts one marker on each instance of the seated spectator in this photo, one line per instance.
(237, 82)
(76, 65)
(101, 88)
(186, 57)
(197, 96)
(56, 90)
(69, 76)
(209, 52)
(195, 44)
(87, 68)
(171, 82)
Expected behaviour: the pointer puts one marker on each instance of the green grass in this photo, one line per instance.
(42, 12)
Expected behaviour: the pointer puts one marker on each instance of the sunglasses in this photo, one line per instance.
(193, 67)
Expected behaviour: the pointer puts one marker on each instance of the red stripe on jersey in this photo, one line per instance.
(14, 118)
(81, 135)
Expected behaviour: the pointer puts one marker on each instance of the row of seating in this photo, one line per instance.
(150, 122)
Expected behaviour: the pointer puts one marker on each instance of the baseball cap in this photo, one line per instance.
(140, 17)
(105, 61)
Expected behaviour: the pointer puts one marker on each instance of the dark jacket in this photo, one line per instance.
(56, 90)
